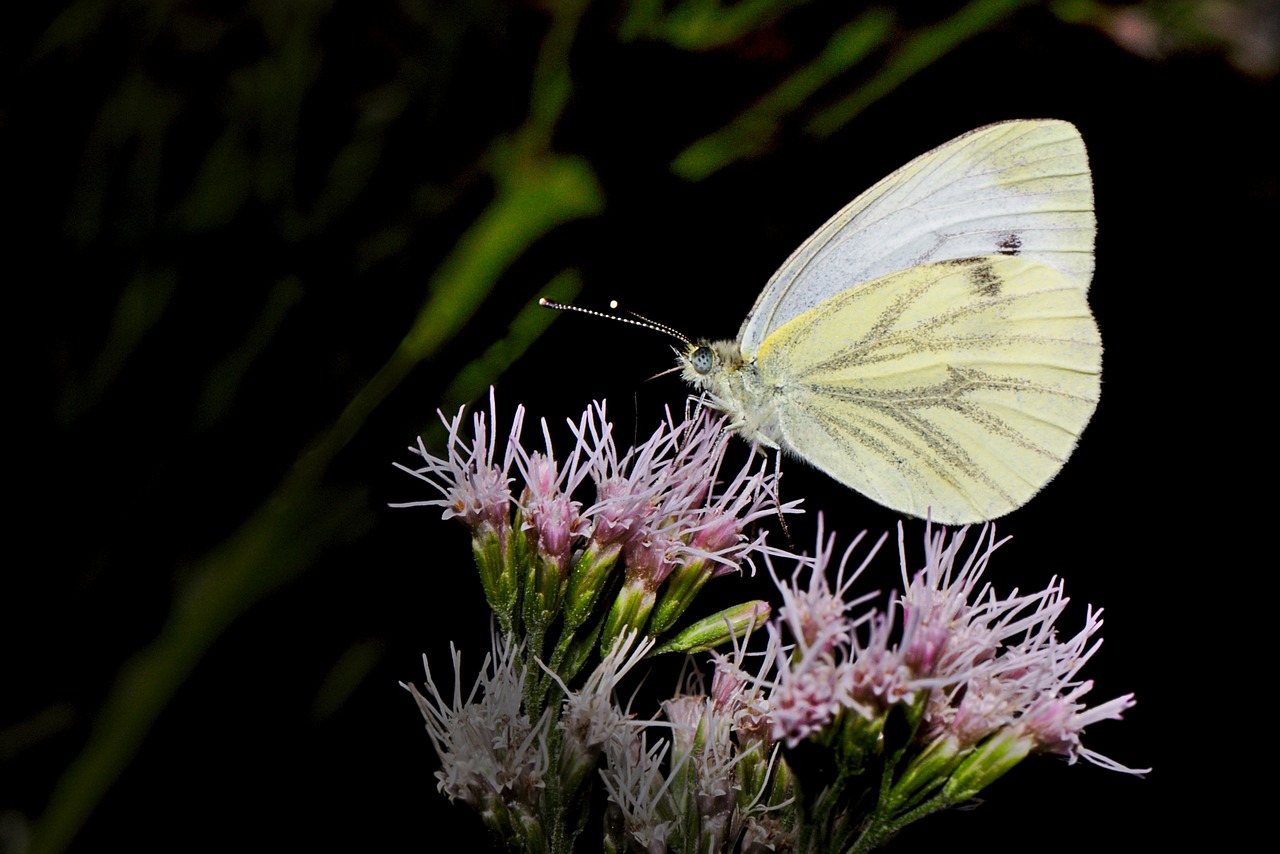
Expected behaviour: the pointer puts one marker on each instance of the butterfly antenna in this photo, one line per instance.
(653, 324)
(634, 320)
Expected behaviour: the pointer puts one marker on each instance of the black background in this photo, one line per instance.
(291, 728)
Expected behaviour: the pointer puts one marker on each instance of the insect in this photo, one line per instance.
(931, 345)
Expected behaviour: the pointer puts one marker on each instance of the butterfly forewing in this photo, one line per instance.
(1019, 188)
(960, 386)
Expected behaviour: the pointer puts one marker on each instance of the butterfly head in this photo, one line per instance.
(703, 364)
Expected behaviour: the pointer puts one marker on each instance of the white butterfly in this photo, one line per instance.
(931, 345)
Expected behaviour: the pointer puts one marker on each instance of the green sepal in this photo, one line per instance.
(678, 593)
(497, 555)
(987, 763)
(926, 772)
(590, 575)
(856, 738)
(544, 592)
(630, 611)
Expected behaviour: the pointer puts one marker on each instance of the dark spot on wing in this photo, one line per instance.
(984, 281)
(1009, 244)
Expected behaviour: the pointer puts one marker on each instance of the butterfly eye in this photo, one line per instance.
(702, 359)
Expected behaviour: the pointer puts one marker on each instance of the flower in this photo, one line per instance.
(590, 718)
(817, 679)
(475, 489)
(995, 663)
(493, 756)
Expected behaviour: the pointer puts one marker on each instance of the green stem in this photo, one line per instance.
(880, 829)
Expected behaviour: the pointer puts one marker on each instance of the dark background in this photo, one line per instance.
(225, 218)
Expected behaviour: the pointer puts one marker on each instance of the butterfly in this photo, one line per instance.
(931, 345)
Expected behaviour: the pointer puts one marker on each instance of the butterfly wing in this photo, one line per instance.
(959, 386)
(1018, 188)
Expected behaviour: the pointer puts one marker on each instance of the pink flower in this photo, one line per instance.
(475, 489)
(662, 515)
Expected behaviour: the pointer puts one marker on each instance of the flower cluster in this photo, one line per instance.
(665, 520)
(495, 757)
(976, 682)
(567, 572)
(851, 722)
